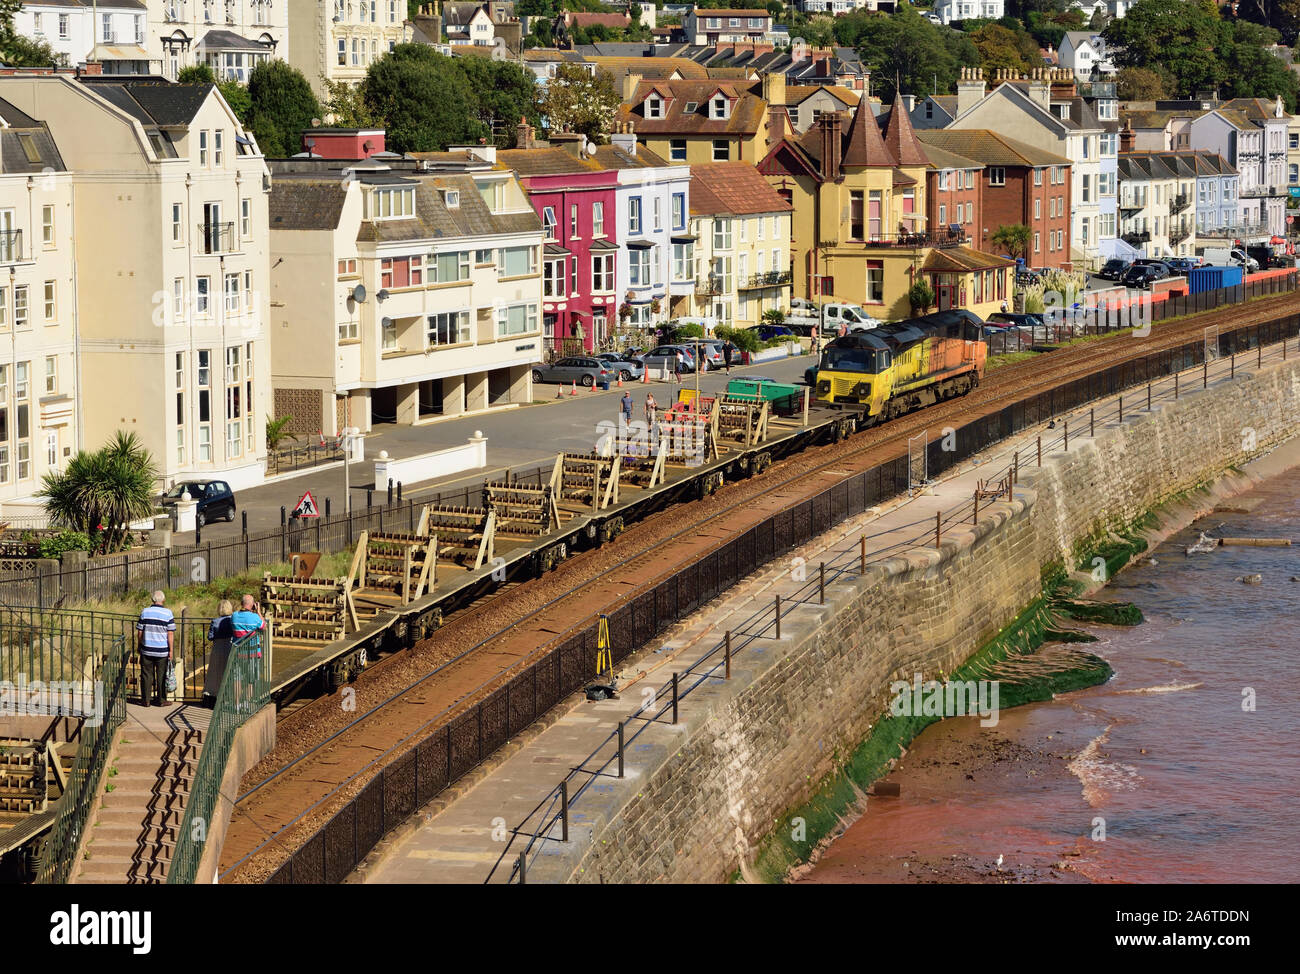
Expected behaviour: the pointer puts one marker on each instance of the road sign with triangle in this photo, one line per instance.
(306, 506)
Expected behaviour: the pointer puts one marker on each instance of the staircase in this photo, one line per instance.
(133, 835)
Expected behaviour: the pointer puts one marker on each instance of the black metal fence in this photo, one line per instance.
(568, 663)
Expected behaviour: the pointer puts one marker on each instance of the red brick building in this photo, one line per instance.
(1018, 184)
(954, 194)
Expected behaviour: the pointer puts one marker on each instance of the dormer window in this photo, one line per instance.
(691, 106)
(451, 198)
(1063, 112)
(392, 204)
(719, 107)
(654, 107)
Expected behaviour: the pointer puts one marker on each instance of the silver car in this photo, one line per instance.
(624, 368)
(583, 369)
(676, 357)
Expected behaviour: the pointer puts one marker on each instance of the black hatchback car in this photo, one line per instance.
(1142, 275)
(1113, 269)
(216, 501)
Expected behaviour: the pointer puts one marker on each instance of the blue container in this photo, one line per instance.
(1209, 278)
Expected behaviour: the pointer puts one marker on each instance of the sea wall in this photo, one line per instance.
(749, 751)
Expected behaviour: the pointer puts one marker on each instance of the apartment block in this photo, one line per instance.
(112, 33)
(338, 39)
(169, 219)
(230, 36)
(403, 290)
(39, 411)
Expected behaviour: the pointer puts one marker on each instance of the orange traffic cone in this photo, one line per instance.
(574, 391)
(620, 380)
(559, 392)
(645, 375)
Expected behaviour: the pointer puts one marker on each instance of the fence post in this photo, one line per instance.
(243, 522)
(369, 498)
(523, 869)
(399, 492)
(1067, 436)
(620, 745)
(1233, 365)
(938, 527)
(1148, 397)
(778, 617)
(1040, 449)
(863, 553)
(1175, 387)
(976, 519)
(390, 492)
(1205, 371)
(821, 583)
(1015, 467)
(1259, 358)
(728, 653)
(327, 507)
(564, 810)
(284, 539)
(675, 699)
(1121, 410)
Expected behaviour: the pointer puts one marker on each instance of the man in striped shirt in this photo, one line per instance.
(155, 632)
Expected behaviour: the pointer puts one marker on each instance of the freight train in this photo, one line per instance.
(908, 365)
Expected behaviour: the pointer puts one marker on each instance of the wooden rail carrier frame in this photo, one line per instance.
(403, 564)
(305, 611)
(24, 772)
(465, 535)
(743, 419)
(644, 472)
(522, 510)
(588, 478)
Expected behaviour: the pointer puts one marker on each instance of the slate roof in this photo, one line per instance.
(154, 103)
(434, 220)
(798, 94)
(14, 116)
(649, 67)
(733, 189)
(900, 140)
(21, 133)
(990, 148)
(228, 40)
(1170, 164)
(310, 203)
(864, 145)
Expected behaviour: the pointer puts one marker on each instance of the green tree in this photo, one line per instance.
(925, 57)
(101, 493)
(1140, 84)
(423, 96)
(196, 74)
(346, 107)
(19, 51)
(237, 98)
(920, 296)
(998, 48)
(1250, 70)
(1013, 238)
(502, 92)
(1183, 36)
(281, 107)
(577, 102)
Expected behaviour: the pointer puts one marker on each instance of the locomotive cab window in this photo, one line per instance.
(868, 360)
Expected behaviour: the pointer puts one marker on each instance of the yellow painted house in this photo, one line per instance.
(857, 189)
(700, 121)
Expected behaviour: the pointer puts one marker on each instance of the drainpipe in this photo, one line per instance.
(76, 324)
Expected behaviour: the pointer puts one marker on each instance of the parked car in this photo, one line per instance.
(1033, 327)
(1181, 265)
(1113, 269)
(676, 357)
(710, 350)
(720, 360)
(624, 368)
(1144, 275)
(215, 499)
(767, 332)
(583, 369)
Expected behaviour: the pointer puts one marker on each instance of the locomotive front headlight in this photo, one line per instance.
(862, 389)
(824, 386)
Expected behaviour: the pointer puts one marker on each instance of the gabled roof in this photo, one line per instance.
(798, 94)
(943, 159)
(747, 108)
(433, 219)
(732, 189)
(649, 67)
(990, 148)
(154, 103)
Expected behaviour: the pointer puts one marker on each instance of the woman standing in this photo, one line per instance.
(220, 633)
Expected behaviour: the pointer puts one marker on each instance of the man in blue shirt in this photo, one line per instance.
(155, 632)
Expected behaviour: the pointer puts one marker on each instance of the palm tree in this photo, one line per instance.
(1013, 238)
(277, 431)
(101, 493)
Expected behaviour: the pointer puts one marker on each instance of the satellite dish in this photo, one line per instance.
(359, 293)
(591, 148)
(381, 295)
(385, 322)
(315, 123)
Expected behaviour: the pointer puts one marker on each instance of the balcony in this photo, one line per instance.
(1097, 89)
(217, 238)
(951, 237)
(770, 279)
(1136, 237)
(708, 285)
(1178, 234)
(1255, 192)
(1132, 202)
(11, 246)
(1180, 203)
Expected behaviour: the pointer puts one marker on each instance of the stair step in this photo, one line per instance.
(136, 818)
(132, 850)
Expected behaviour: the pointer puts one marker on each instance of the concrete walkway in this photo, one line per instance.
(460, 836)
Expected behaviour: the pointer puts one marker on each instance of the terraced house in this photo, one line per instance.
(741, 245)
(112, 32)
(38, 312)
(1251, 134)
(403, 291)
(172, 344)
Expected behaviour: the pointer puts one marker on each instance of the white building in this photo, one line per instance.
(112, 32)
(1252, 135)
(713, 26)
(955, 10)
(1084, 52)
(338, 39)
(169, 220)
(231, 36)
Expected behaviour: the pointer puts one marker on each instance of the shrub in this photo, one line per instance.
(683, 332)
(920, 296)
(53, 546)
(743, 338)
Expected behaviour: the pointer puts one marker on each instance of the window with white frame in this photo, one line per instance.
(639, 267)
(51, 375)
(518, 261)
(178, 300)
(598, 219)
(245, 217)
(719, 107)
(602, 273)
(47, 225)
(997, 176)
(449, 328)
(721, 234)
(388, 334)
(683, 261)
(721, 150)
(202, 294)
(554, 275)
(573, 220)
(446, 268)
(51, 302)
(516, 319)
(655, 208)
(634, 214)
(21, 317)
(548, 223)
(178, 230)
(204, 386)
(203, 148)
(230, 294)
(654, 107)
(393, 204)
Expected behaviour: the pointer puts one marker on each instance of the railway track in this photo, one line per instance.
(325, 753)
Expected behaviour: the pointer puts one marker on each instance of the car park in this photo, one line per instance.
(214, 500)
(625, 368)
(585, 370)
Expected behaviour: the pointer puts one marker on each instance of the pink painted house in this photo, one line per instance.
(574, 196)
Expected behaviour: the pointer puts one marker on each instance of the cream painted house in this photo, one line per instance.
(231, 36)
(338, 39)
(402, 294)
(38, 312)
(741, 249)
(169, 215)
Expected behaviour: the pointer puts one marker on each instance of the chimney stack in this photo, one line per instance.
(970, 89)
(832, 145)
(623, 138)
(525, 135)
(1127, 137)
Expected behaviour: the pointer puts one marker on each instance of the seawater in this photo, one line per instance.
(1183, 768)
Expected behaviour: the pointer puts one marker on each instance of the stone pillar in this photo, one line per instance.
(453, 395)
(521, 384)
(359, 403)
(408, 403)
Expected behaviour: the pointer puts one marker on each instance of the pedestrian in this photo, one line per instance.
(220, 633)
(1004, 307)
(247, 626)
(844, 329)
(627, 408)
(726, 356)
(155, 635)
(651, 408)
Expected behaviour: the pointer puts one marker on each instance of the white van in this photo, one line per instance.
(1227, 256)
